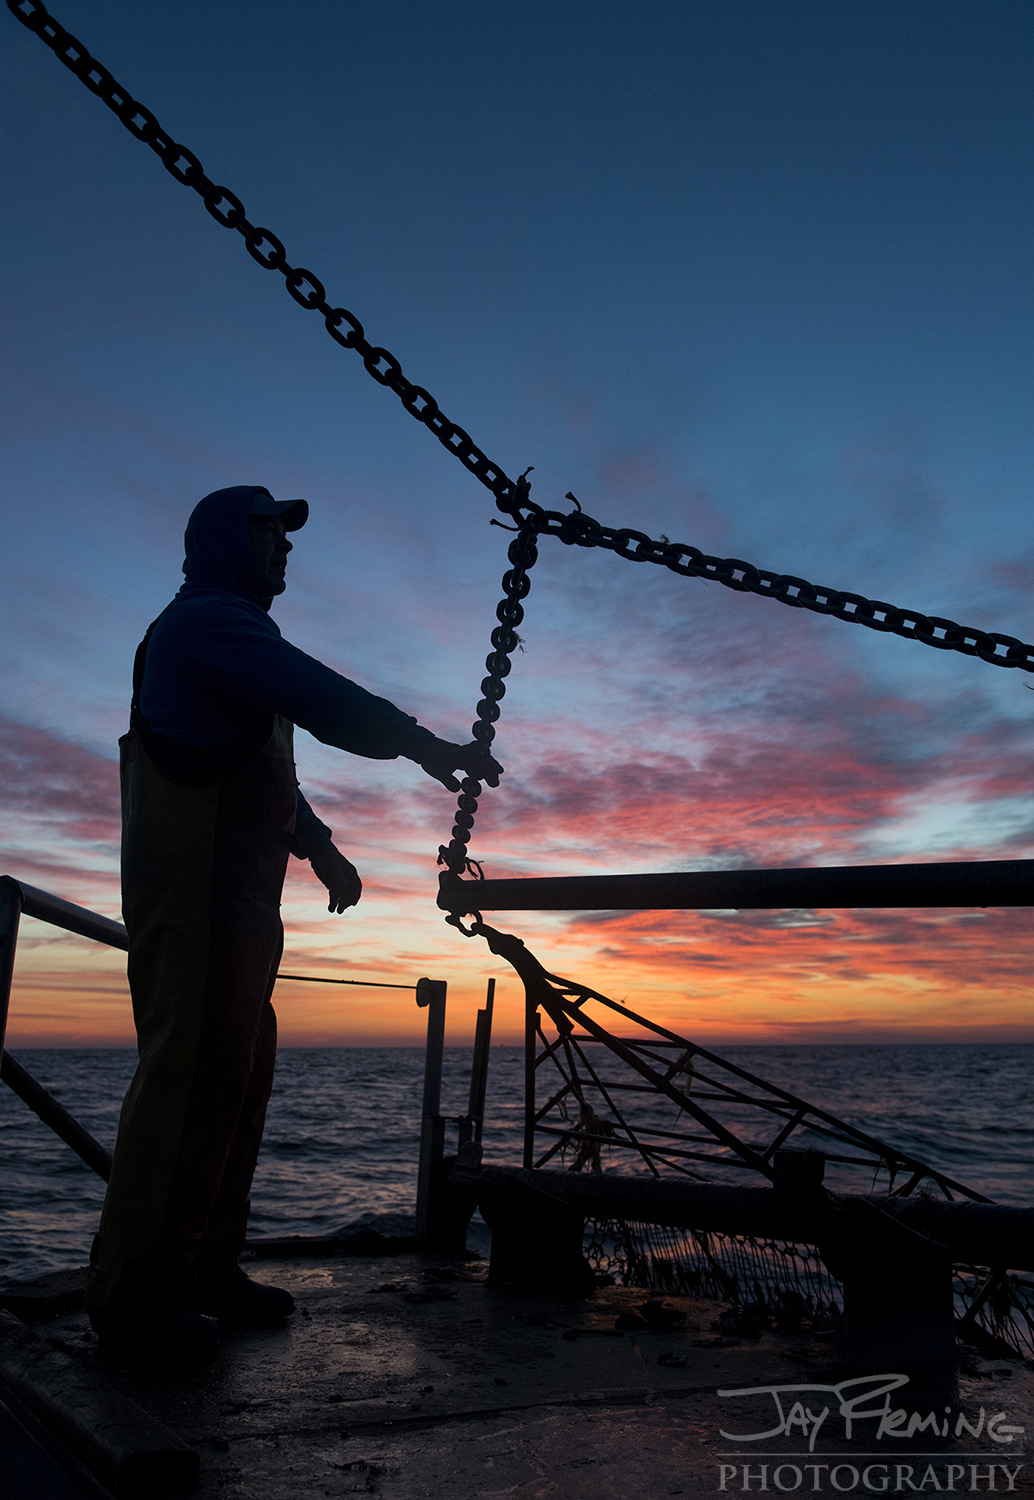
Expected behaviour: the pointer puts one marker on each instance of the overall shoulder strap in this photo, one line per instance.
(193, 765)
(138, 668)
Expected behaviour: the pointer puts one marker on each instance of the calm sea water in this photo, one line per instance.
(343, 1127)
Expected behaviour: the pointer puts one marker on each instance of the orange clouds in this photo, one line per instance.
(760, 758)
(819, 975)
(738, 801)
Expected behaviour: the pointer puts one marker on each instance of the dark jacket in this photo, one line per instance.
(214, 668)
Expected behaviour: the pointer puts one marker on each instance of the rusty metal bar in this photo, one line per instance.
(1004, 882)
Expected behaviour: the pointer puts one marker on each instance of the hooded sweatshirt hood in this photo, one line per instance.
(214, 667)
(218, 543)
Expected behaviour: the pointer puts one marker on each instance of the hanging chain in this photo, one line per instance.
(574, 529)
(577, 529)
(522, 554)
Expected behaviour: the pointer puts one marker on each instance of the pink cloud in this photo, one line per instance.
(1016, 574)
(628, 474)
(58, 783)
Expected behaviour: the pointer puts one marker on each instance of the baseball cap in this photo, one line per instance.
(293, 513)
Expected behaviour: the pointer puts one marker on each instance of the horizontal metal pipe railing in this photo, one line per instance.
(1003, 882)
(17, 898)
(60, 913)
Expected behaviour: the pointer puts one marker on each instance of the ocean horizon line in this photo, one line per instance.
(710, 1043)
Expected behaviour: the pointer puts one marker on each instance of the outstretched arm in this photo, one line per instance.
(442, 758)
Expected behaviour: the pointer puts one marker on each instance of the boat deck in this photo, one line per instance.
(476, 1391)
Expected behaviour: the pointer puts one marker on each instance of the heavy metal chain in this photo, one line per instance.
(577, 529)
(522, 554)
(262, 245)
(574, 529)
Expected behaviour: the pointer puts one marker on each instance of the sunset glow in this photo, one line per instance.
(713, 274)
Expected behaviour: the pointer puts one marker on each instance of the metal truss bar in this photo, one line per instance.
(573, 1133)
(633, 1041)
(787, 1130)
(644, 1151)
(556, 1146)
(613, 1107)
(639, 1043)
(731, 1096)
(552, 1103)
(851, 1135)
(549, 1049)
(722, 1135)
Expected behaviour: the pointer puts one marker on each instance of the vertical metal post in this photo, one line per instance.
(10, 915)
(431, 993)
(531, 1026)
(479, 1067)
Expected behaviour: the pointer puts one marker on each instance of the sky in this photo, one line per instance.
(756, 276)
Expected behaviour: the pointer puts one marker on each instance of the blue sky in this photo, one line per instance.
(754, 276)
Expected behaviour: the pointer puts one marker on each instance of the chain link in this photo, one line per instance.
(577, 529)
(574, 529)
(522, 554)
(264, 247)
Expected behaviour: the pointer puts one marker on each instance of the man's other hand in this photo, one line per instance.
(339, 875)
(472, 760)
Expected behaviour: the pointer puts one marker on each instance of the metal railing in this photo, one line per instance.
(17, 897)
(995, 882)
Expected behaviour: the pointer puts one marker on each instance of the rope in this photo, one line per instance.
(575, 528)
(365, 984)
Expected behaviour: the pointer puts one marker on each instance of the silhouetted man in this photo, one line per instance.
(210, 812)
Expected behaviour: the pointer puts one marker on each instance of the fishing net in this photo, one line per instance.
(786, 1281)
(790, 1284)
(1004, 1307)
